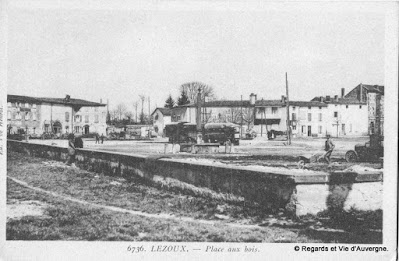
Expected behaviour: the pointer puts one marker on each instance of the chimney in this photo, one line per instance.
(282, 98)
(342, 92)
(252, 99)
(328, 98)
(321, 99)
(67, 98)
(336, 98)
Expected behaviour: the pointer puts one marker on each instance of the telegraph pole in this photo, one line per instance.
(288, 111)
(199, 128)
(241, 118)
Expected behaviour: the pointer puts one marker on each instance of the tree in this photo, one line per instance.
(248, 116)
(129, 116)
(169, 103)
(191, 90)
(121, 109)
(183, 99)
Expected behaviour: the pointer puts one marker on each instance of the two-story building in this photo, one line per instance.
(37, 115)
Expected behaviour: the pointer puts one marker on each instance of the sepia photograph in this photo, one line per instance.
(199, 129)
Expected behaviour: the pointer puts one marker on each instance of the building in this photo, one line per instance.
(357, 113)
(34, 115)
(344, 117)
(260, 116)
(161, 117)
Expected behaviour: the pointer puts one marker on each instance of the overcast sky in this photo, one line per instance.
(120, 53)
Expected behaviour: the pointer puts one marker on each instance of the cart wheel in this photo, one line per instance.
(301, 164)
(351, 156)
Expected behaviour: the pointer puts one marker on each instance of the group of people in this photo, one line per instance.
(98, 138)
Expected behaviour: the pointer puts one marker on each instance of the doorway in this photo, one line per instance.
(57, 127)
(309, 130)
(86, 129)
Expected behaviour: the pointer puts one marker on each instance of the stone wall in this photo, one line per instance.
(298, 193)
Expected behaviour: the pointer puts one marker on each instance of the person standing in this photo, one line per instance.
(78, 142)
(71, 150)
(97, 138)
(329, 147)
(102, 138)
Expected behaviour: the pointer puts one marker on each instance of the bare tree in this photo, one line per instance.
(142, 98)
(191, 90)
(248, 116)
(129, 116)
(121, 109)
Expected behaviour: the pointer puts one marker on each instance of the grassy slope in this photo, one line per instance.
(70, 221)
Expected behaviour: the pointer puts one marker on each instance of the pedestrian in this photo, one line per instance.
(97, 138)
(78, 142)
(329, 147)
(71, 150)
(102, 138)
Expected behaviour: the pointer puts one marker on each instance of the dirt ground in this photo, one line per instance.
(56, 218)
(259, 152)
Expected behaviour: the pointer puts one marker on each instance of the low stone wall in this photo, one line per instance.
(298, 193)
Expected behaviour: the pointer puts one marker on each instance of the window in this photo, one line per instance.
(309, 107)
(347, 106)
(320, 117)
(319, 107)
(13, 116)
(34, 130)
(67, 116)
(86, 118)
(303, 129)
(335, 114)
(13, 104)
(293, 108)
(96, 118)
(274, 110)
(26, 116)
(26, 105)
(33, 116)
(67, 129)
(34, 106)
(320, 129)
(156, 117)
(22, 105)
(309, 117)
(18, 117)
(77, 129)
(360, 106)
(294, 127)
(294, 116)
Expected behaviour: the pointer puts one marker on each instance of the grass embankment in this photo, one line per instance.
(65, 220)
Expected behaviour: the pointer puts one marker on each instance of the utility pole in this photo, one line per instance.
(199, 127)
(136, 104)
(288, 111)
(149, 116)
(241, 118)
